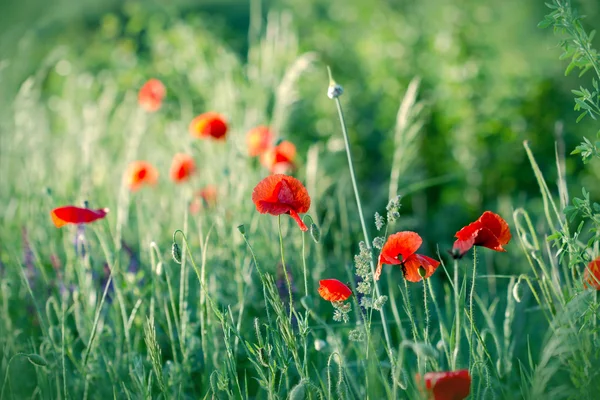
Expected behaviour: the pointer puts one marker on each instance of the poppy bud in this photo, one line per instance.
(315, 232)
(176, 253)
(298, 391)
(36, 359)
(242, 229)
(422, 271)
(320, 344)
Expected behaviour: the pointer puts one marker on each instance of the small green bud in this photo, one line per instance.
(422, 272)
(242, 229)
(334, 90)
(315, 232)
(176, 253)
(38, 360)
(298, 392)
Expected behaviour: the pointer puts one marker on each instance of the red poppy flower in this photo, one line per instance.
(591, 275)
(400, 249)
(76, 215)
(282, 194)
(490, 231)
(334, 290)
(452, 385)
(210, 124)
(182, 168)
(258, 140)
(151, 95)
(284, 152)
(140, 173)
(206, 196)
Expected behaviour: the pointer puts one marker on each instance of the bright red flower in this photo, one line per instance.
(490, 231)
(334, 290)
(258, 140)
(591, 275)
(282, 194)
(204, 197)
(75, 215)
(451, 385)
(210, 124)
(399, 249)
(284, 152)
(151, 95)
(182, 168)
(140, 173)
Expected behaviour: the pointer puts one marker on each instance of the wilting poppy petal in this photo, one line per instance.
(400, 249)
(591, 275)
(284, 152)
(210, 124)
(151, 95)
(334, 290)
(140, 173)
(182, 167)
(76, 215)
(258, 140)
(452, 385)
(282, 194)
(414, 263)
(490, 231)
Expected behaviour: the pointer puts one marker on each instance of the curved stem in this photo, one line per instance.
(362, 221)
(4, 384)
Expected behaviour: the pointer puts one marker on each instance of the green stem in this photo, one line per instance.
(471, 318)
(4, 384)
(362, 221)
(458, 316)
(426, 335)
(285, 272)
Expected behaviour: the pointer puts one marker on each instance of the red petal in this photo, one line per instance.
(412, 264)
(591, 275)
(334, 290)
(497, 225)
(279, 194)
(298, 220)
(453, 385)
(402, 244)
(76, 215)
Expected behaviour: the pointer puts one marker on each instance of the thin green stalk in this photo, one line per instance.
(471, 317)
(458, 315)
(362, 218)
(426, 334)
(285, 272)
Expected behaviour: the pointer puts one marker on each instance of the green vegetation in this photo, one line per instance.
(456, 106)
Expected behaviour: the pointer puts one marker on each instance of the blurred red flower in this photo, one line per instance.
(76, 215)
(282, 194)
(205, 197)
(182, 167)
(490, 231)
(258, 140)
(282, 155)
(400, 249)
(334, 290)
(451, 385)
(151, 95)
(140, 173)
(209, 125)
(591, 275)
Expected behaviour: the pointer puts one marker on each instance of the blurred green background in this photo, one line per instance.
(490, 79)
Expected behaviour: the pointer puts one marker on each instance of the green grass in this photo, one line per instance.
(126, 319)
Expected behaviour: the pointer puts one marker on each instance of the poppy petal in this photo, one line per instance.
(411, 267)
(76, 215)
(298, 220)
(334, 290)
(452, 385)
(591, 275)
(497, 225)
(400, 246)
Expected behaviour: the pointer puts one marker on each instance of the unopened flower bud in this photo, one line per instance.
(176, 253)
(334, 90)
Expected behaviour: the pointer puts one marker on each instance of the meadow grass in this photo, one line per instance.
(155, 301)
